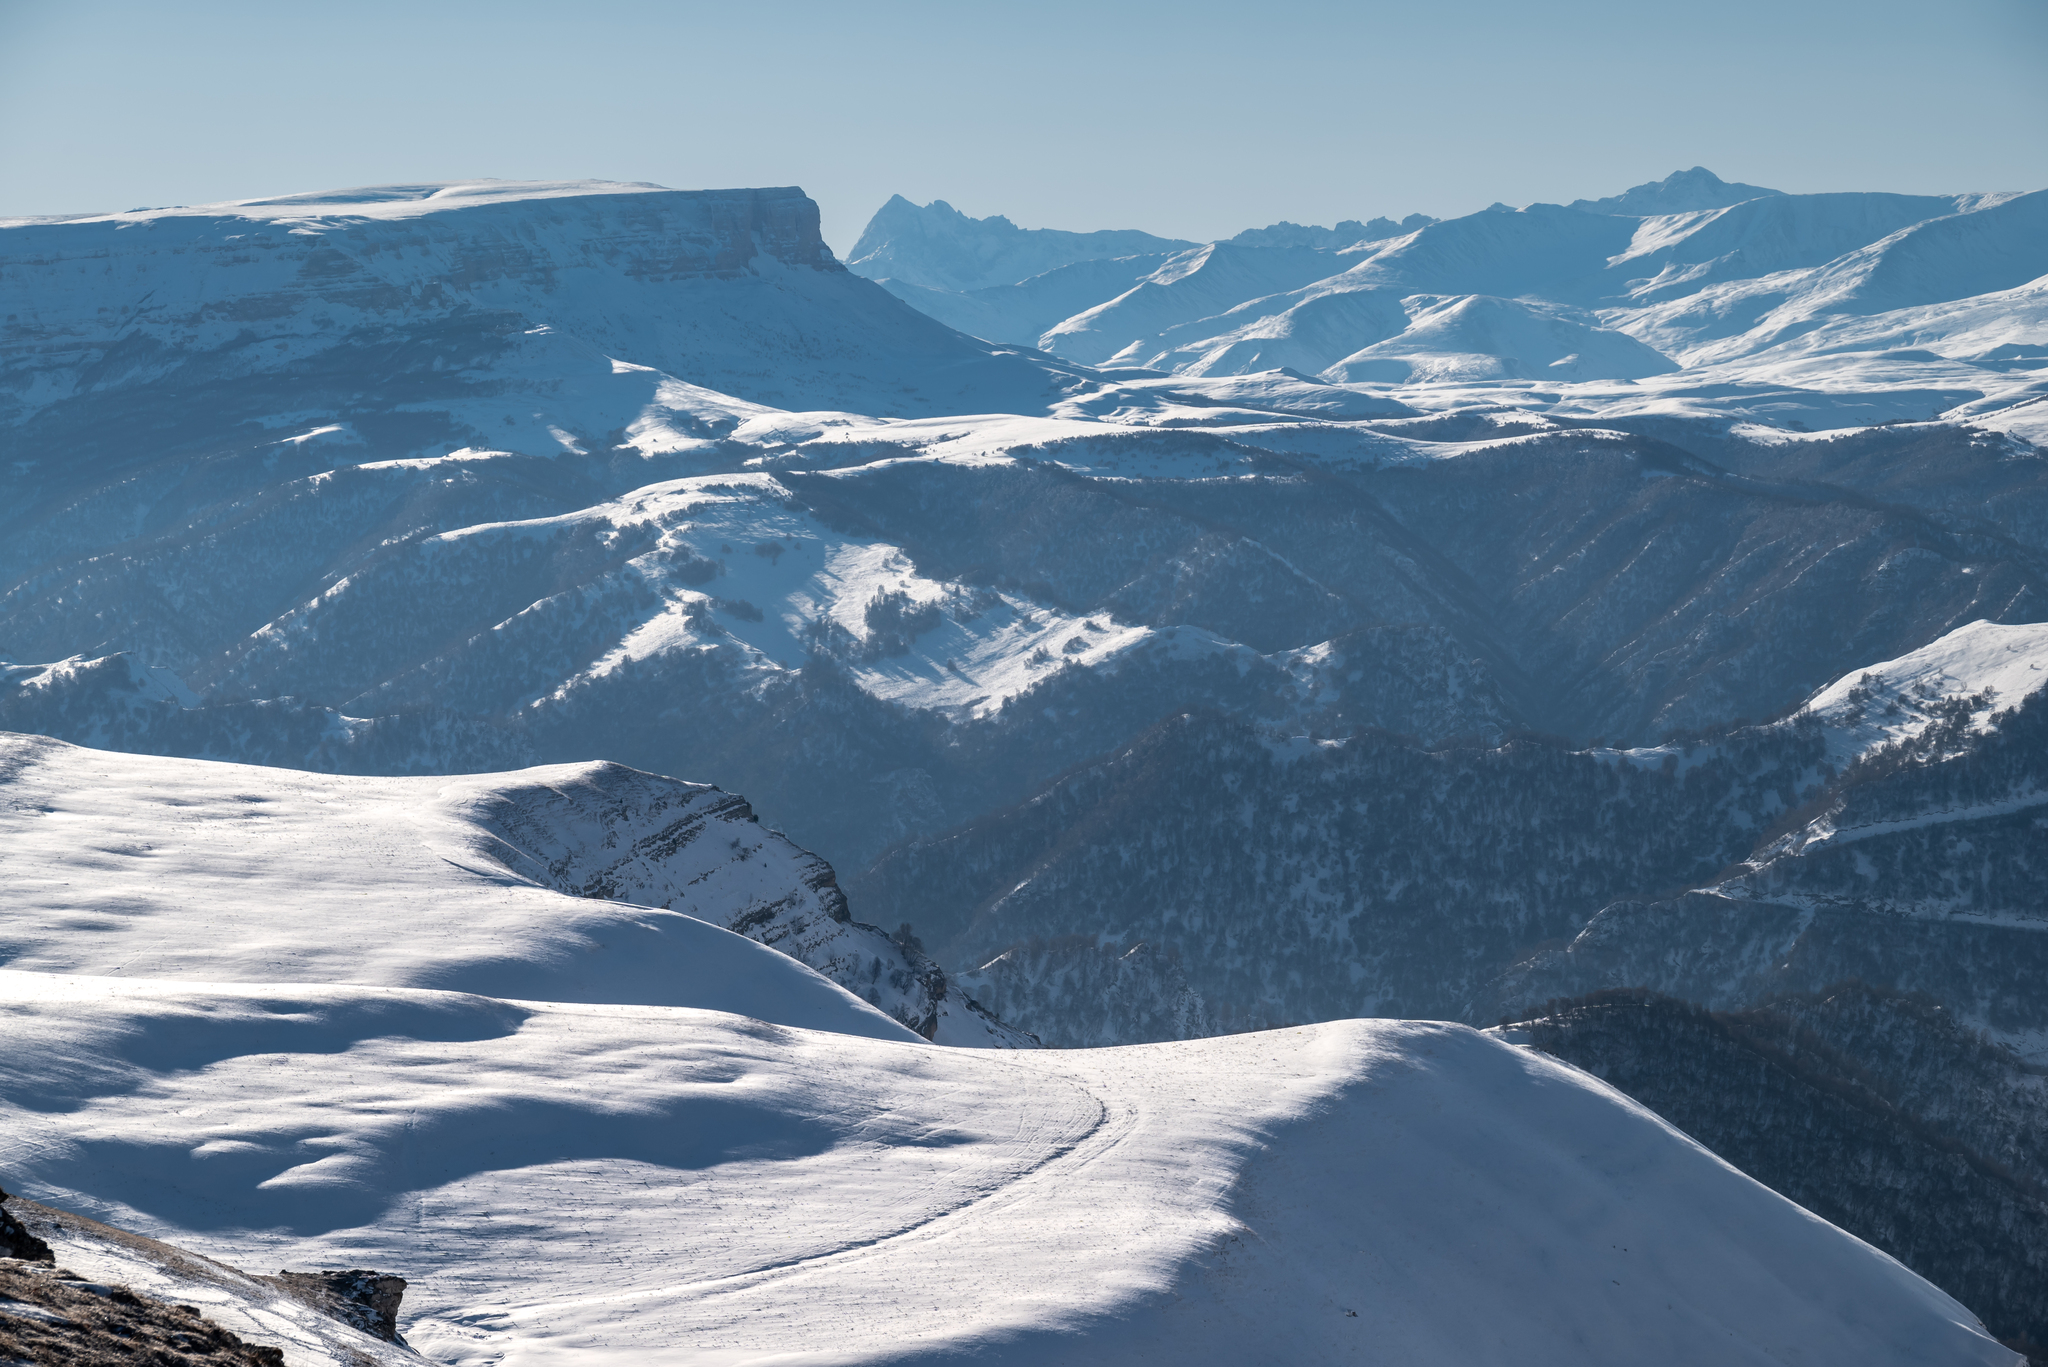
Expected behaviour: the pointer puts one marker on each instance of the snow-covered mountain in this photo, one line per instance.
(1194, 693)
(578, 1183)
(1678, 193)
(938, 247)
(1731, 301)
(538, 312)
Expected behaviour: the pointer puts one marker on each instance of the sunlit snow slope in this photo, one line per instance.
(145, 867)
(632, 1184)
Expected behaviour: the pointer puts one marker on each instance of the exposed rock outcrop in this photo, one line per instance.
(362, 1299)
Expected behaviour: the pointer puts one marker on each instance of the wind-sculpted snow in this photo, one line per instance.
(171, 868)
(734, 1191)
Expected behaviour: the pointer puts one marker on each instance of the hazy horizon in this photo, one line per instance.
(1191, 121)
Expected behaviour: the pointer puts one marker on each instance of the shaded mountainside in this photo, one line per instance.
(1874, 1109)
(1920, 868)
(1302, 880)
(618, 834)
(967, 628)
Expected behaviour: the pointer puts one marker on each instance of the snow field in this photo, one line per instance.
(133, 866)
(585, 1184)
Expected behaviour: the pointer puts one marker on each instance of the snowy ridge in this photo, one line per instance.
(733, 1191)
(506, 294)
(138, 866)
(938, 247)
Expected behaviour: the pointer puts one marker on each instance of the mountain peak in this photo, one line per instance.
(1678, 193)
(941, 248)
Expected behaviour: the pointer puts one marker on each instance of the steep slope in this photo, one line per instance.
(938, 247)
(1022, 311)
(1307, 330)
(1825, 310)
(1541, 250)
(1677, 254)
(735, 1190)
(1312, 880)
(1918, 867)
(1195, 284)
(1277, 881)
(216, 872)
(1876, 1111)
(1983, 246)
(908, 624)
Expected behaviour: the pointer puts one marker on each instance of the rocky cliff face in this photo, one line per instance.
(616, 833)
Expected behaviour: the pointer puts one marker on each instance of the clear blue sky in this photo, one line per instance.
(1193, 119)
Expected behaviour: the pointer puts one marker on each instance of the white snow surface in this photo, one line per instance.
(1983, 667)
(138, 866)
(636, 1184)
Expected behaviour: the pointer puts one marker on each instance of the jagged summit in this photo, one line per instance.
(1348, 233)
(939, 247)
(1681, 192)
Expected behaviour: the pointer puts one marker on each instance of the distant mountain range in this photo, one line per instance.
(1686, 296)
